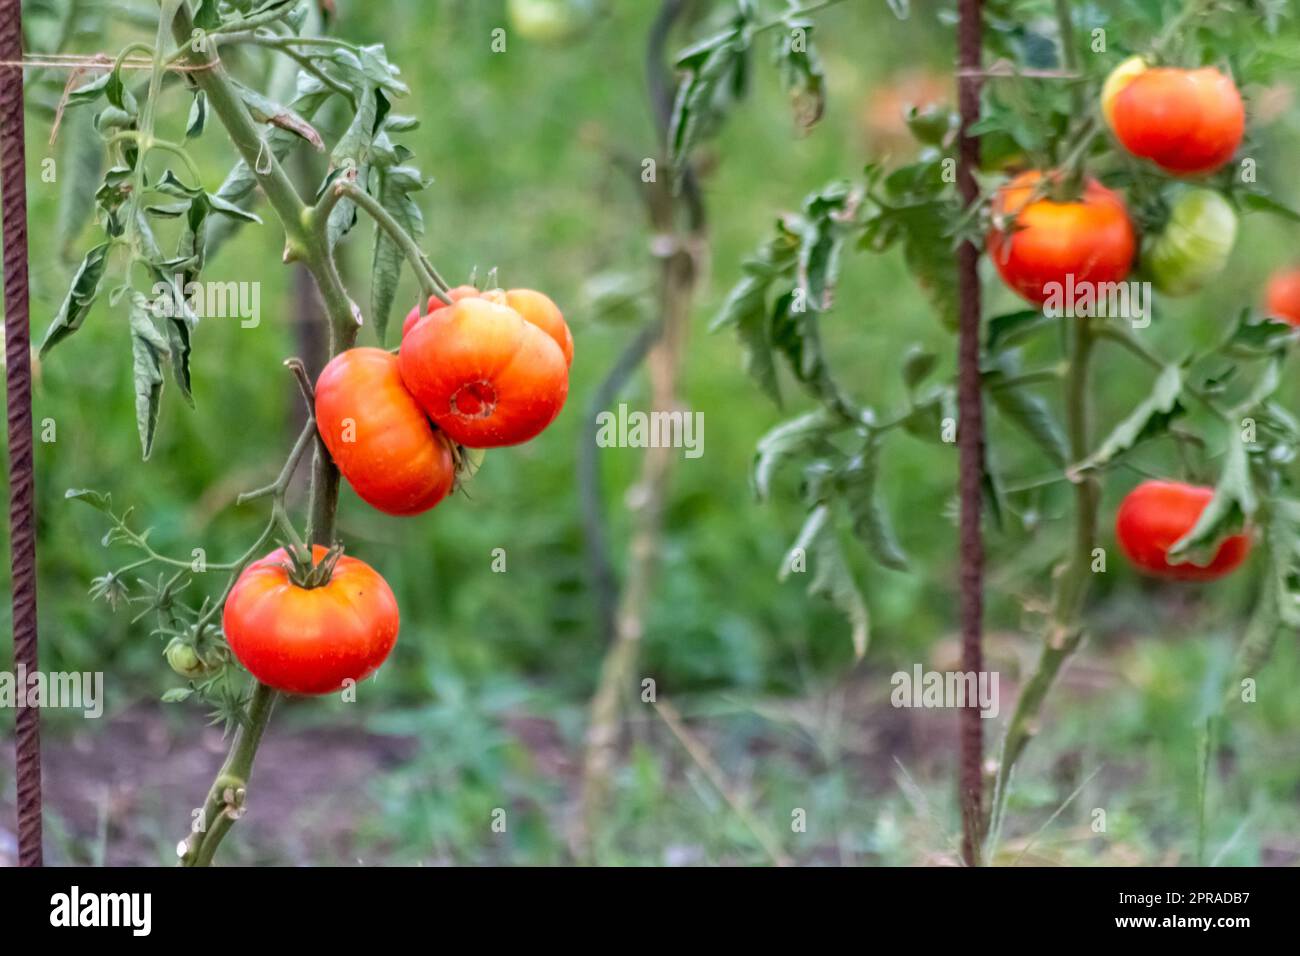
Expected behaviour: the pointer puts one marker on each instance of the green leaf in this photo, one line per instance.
(100, 501)
(207, 17)
(1150, 418)
(1029, 412)
(198, 115)
(148, 349)
(832, 577)
(1259, 202)
(1233, 505)
(917, 366)
(801, 72)
(238, 188)
(1253, 338)
(81, 296)
(177, 695)
(81, 165)
(393, 188)
(1011, 327)
(713, 69)
(871, 524)
(808, 434)
(821, 242)
(91, 91)
(266, 110)
(746, 307)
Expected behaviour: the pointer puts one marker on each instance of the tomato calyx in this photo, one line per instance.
(308, 574)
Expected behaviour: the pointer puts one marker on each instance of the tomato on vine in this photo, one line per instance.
(1195, 243)
(483, 374)
(1038, 242)
(533, 306)
(538, 309)
(1187, 122)
(435, 304)
(378, 436)
(308, 630)
(1155, 515)
(1282, 298)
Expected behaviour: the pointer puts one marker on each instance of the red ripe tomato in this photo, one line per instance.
(310, 640)
(381, 441)
(1046, 243)
(435, 303)
(1187, 122)
(541, 312)
(484, 375)
(1283, 296)
(1155, 514)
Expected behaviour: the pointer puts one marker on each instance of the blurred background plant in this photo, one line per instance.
(482, 706)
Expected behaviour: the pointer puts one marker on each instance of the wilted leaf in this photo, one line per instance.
(871, 523)
(1029, 412)
(806, 435)
(81, 296)
(148, 349)
(832, 577)
(1233, 505)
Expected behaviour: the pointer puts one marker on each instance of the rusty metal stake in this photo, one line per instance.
(970, 438)
(18, 381)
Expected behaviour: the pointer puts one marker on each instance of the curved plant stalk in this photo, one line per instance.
(680, 250)
(1065, 630)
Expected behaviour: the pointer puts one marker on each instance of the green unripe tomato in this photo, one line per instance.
(185, 660)
(1195, 244)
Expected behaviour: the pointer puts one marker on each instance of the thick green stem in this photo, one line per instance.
(307, 244)
(225, 801)
(1065, 628)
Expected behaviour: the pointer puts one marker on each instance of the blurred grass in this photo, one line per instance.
(516, 144)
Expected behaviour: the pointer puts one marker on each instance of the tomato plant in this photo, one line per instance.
(1079, 210)
(305, 619)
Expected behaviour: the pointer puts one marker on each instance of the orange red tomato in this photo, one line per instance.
(1187, 122)
(1155, 515)
(485, 375)
(310, 640)
(1282, 298)
(379, 437)
(1038, 241)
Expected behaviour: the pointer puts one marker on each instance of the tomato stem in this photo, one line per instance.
(1065, 630)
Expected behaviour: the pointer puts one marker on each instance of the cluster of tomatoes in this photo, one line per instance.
(488, 370)
(1189, 123)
